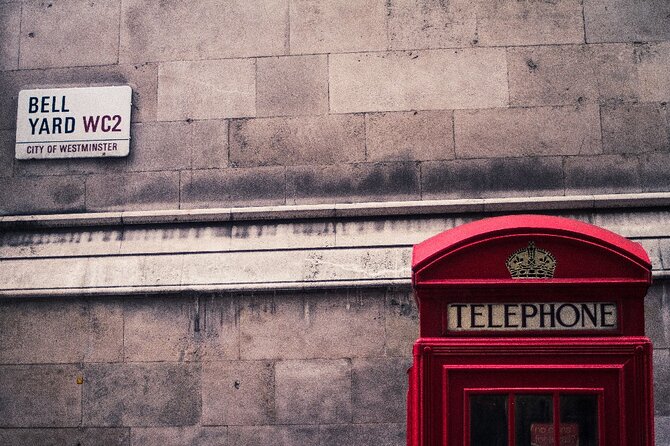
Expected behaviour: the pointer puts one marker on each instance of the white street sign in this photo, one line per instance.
(73, 122)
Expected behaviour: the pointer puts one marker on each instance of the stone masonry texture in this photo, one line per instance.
(294, 393)
(45, 42)
(157, 370)
(346, 101)
(240, 103)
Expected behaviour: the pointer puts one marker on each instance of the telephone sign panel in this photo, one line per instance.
(531, 333)
(554, 316)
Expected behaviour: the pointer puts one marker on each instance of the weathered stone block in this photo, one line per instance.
(331, 26)
(656, 313)
(405, 231)
(66, 437)
(422, 24)
(35, 195)
(495, 177)
(379, 383)
(238, 393)
(561, 75)
(616, 72)
(632, 224)
(604, 174)
(362, 435)
(627, 20)
(511, 23)
(327, 139)
(69, 33)
(665, 253)
(10, 28)
(517, 132)
(131, 191)
(352, 183)
(313, 392)
(539, 76)
(179, 145)
(145, 239)
(216, 29)
(197, 239)
(298, 266)
(154, 394)
(39, 395)
(402, 322)
(662, 430)
(426, 24)
(655, 172)
(22, 274)
(207, 89)
(653, 248)
(662, 382)
(180, 329)
(93, 272)
(180, 436)
(272, 235)
(273, 435)
(159, 146)
(289, 86)
(407, 136)
(141, 78)
(7, 151)
(438, 79)
(35, 244)
(337, 325)
(634, 128)
(72, 166)
(36, 331)
(653, 61)
(214, 188)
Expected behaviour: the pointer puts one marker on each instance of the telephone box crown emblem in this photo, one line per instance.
(531, 263)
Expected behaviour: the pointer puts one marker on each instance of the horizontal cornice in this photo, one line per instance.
(275, 248)
(343, 210)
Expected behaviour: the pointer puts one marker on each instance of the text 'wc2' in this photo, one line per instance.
(531, 333)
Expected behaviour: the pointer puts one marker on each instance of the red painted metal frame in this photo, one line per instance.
(467, 264)
(489, 229)
(511, 392)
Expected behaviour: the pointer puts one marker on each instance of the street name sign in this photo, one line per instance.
(73, 122)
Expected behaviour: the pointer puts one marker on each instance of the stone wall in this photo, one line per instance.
(320, 368)
(240, 103)
(325, 368)
(268, 102)
(123, 334)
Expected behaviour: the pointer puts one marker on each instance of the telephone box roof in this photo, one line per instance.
(478, 234)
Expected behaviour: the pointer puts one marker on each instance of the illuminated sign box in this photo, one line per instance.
(73, 123)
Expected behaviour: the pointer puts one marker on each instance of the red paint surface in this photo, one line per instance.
(467, 264)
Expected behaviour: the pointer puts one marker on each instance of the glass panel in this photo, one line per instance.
(488, 420)
(579, 420)
(533, 420)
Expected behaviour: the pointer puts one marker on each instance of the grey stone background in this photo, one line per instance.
(270, 102)
(264, 102)
(324, 368)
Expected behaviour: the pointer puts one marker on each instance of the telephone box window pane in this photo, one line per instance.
(488, 420)
(533, 420)
(579, 420)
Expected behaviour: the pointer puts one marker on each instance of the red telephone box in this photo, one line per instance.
(531, 333)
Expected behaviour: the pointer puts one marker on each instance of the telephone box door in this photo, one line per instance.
(585, 392)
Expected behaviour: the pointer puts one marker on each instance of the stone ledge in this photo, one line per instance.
(337, 210)
(236, 287)
(238, 249)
